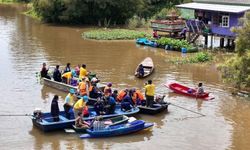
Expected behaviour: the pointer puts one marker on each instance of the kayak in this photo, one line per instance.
(46, 123)
(148, 67)
(122, 129)
(145, 41)
(184, 90)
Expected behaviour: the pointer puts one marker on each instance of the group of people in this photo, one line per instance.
(68, 75)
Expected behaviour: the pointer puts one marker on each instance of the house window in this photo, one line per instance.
(224, 21)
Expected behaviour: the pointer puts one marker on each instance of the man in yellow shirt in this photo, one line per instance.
(80, 105)
(83, 72)
(66, 77)
(149, 92)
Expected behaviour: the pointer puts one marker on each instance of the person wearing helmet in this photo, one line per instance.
(69, 102)
(80, 105)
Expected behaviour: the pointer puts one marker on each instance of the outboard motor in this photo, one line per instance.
(37, 113)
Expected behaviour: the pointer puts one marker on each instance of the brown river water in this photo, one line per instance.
(26, 43)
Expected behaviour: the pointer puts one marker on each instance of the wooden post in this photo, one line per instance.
(212, 41)
(221, 42)
(206, 40)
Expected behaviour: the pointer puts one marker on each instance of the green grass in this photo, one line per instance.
(114, 34)
(32, 14)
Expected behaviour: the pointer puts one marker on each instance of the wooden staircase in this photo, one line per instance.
(195, 28)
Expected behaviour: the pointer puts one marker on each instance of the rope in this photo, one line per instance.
(187, 109)
(7, 115)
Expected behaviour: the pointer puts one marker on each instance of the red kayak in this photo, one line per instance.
(181, 89)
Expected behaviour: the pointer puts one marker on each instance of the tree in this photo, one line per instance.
(237, 68)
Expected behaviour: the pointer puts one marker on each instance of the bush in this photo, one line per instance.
(200, 57)
(114, 34)
(176, 44)
(137, 22)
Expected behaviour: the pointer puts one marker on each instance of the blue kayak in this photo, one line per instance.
(46, 123)
(116, 130)
(145, 41)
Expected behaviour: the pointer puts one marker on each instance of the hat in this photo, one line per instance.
(85, 98)
(94, 79)
(109, 84)
(72, 91)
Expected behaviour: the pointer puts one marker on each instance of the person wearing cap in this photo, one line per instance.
(69, 102)
(149, 92)
(83, 72)
(67, 68)
(107, 89)
(80, 105)
(57, 74)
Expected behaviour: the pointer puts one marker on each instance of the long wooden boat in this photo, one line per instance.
(109, 121)
(116, 130)
(148, 67)
(157, 108)
(46, 123)
(184, 90)
(65, 87)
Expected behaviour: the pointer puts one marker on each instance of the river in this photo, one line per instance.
(26, 43)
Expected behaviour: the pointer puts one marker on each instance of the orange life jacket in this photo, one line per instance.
(82, 87)
(140, 95)
(121, 95)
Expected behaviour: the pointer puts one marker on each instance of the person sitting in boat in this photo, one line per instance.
(84, 87)
(44, 72)
(69, 102)
(200, 89)
(110, 104)
(107, 89)
(115, 94)
(127, 103)
(140, 71)
(66, 77)
(77, 69)
(67, 68)
(80, 105)
(149, 92)
(121, 95)
(83, 72)
(94, 91)
(99, 107)
(137, 97)
(57, 74)
(85, 111)
(98, 123)
(55, 109)
(80, 123)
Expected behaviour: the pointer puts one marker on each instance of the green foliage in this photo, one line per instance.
(14, 1)
(137, 22)
(176, 44)
(200, 57)
(166, 11)
(114, 34)
(101, 12)
(237, 69)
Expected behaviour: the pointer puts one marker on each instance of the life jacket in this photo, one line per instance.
(139, 95)
(82, 87)
(121, 95)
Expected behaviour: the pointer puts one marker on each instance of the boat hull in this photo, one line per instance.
(117, 130)
(47, 123)
(148, 66)
(157, 108)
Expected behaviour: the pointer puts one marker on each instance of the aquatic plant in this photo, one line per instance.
(114, 34)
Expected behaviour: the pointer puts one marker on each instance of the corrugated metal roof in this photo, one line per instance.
(215, 7)
(231, 2)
